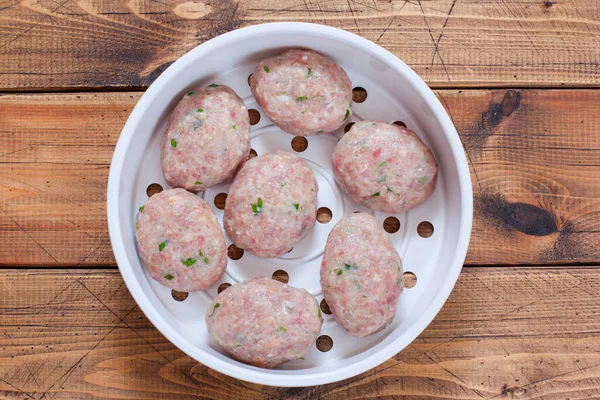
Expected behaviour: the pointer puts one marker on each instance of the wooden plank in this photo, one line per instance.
(534, 158)
(533, 333)
(53, 45)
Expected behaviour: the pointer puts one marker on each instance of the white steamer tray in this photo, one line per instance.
(394, 93)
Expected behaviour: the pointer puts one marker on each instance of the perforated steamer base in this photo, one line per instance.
(394, 93)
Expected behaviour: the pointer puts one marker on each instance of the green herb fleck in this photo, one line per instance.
(319, 312)
(257, 207)
(381, 179)
(235, 127)
(281, 330)
(162, 246)
(217, 305)
(338, 271)
(204, 258)
(364, 296)
(197, 183)
(319, 132)
(423, 180)
(173, 143)
(266, 69)
(347, 266)
(308, 73)
(200, 110)
(169, 277)
(393, 191)
(142, 208)
(399, 282)
(190, 93)
(296, 205)
(301, 98)
(302, 358)
(381, 164)
(283, 184)
(376, 194)
(136, 226)
(347, 114)
(213, 85)
(283, 93)
(188, 262)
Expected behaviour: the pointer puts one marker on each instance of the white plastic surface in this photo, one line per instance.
(394, 93)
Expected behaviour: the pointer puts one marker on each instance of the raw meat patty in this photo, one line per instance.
(264, 322)
(272, 204)
(384, 167)
(303, 92)
(361, 275)
(180, 241)
(207, 137)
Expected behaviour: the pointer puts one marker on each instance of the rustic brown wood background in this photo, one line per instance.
(519, 78)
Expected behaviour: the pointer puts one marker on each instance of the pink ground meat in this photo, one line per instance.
(180, 241)
(303, 92)
(361, 275)
(384, 167)
(206, 139)
(272, 204)
(264, 322)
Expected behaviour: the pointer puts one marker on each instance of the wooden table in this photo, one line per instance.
(520, 80)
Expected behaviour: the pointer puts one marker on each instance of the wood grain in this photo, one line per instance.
(504, 332)
(55, 45)
(534, 159)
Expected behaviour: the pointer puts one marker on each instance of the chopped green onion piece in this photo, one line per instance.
(283, 184)
(188, 262)
(142, 208)
(190, 93)
(217, 305)
(200, 110)
(281, 329)
(347, 114)
(309, 72)
(302, 358)
(257, 207)
(296, 205)
(204, 258)
(319, 132)
(235, 127)
(376, 194)
(319, 312)
(173, 143)
(301, 98)
(213, 85)
(169, 277)
(266, 69)
(393, 191)
(381, 164)
(347, 266)
(198, 183)
(162, 246)
(338, 271)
